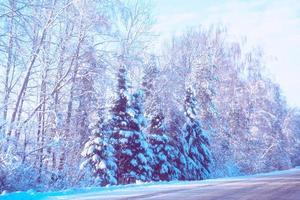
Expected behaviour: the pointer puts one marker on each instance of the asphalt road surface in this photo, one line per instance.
(274, 186)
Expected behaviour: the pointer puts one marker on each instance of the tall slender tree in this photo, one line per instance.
(130, 143)
(195, 141)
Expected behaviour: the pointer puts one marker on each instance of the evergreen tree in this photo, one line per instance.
(194, 142)
(163, 147)
(137, 100)
(129, 140)
(99, 155)
(165, 152)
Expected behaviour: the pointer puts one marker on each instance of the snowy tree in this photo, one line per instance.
(162, 143)
(130, 143)
(291, 131)
(2, 175)
(195, 142)
(137, 108)
(99, 155)
(164, 150)
(151, 73)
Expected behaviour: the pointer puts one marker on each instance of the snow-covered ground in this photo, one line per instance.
(275, 185)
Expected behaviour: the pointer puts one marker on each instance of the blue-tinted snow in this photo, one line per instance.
(124, 190)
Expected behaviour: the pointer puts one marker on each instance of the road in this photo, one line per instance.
(274, 186)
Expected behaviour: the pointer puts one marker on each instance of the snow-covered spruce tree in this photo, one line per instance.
(129, 141)
(99, 155)
(195, 143)
(164, 150)
(137, 108)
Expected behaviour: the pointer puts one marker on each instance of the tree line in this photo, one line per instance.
(119, 152)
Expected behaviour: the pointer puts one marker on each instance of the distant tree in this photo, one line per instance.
(151, 73)
(291, 131)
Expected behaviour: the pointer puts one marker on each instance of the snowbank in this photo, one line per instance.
(123, 190)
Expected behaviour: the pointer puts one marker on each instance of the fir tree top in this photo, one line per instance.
(190, 104)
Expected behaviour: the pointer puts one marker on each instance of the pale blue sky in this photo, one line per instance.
(272, 24)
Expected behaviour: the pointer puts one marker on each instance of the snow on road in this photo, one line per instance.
(283, 185)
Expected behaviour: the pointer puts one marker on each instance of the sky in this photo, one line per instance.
(274, 25)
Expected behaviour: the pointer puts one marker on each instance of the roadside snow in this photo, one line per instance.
(126, 190)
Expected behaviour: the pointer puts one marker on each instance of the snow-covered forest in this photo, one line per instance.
(90, 99)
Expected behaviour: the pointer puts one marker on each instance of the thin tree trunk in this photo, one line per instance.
(71, 97)
(28, 73)
(7, 87)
